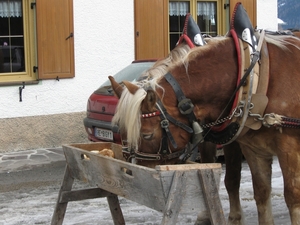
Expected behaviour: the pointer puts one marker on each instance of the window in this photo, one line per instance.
(177, 13)
(13, 63)
(207, 17)
(29, 49)
(205, 13)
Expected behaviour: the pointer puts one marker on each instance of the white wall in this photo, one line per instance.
(267, 14)
(104, 43)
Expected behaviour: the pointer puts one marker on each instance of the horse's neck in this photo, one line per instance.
(212, 76)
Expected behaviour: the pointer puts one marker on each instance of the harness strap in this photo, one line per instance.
(164, 115)
(157, 157)
(165, 125)
(185, 105)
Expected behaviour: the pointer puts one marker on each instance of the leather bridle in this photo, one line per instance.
(165, 153)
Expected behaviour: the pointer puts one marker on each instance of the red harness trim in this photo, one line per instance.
(184, 35)
(187, 39)
(238, 52)
(152, 114)
(235, 102)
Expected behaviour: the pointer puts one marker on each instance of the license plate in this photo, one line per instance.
(104, 134)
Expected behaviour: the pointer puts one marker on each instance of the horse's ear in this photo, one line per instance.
(132, 88)
(118, 89)
(149, 101)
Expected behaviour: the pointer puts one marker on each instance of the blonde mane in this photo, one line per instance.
(282, 41)
(128, 112)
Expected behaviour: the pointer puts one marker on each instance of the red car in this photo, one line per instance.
(102, 104)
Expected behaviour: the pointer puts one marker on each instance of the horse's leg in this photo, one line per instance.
(261, 170)
(289, 161)
(233, 160)
(208, 152)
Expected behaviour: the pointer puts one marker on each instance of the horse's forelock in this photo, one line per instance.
(128, 115)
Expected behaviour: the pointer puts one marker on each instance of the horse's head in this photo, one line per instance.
(150, 128)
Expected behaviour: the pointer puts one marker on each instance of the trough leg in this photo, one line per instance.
(174, 200)
(211, 196)
(60, 208)
(115, 210)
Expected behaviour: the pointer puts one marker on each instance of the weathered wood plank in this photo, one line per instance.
(146, 186)
(83, 194)
(60, 208)
(176, 194)
(115, 210)
(143, 186)
(211, 196)
(194, 201)
(194, 166)
(117, 149)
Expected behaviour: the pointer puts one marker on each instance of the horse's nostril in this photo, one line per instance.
(147, 136)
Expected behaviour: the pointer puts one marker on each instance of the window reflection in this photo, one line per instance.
(177, 13)
(207, 17)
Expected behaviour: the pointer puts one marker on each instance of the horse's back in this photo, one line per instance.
(283, 99)
(283, 89)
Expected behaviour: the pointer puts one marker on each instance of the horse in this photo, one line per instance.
(191, 38)
(207, 77)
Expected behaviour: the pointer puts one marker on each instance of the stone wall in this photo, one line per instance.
(47, 131)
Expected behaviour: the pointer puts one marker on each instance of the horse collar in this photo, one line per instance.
(247, 95)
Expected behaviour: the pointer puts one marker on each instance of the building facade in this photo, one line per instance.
(65, 50)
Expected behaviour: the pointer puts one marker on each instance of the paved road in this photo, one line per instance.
(44, 175)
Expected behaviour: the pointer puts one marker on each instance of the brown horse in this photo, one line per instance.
(258, 109)
(190, 38)
(204, 152)
(208, 78)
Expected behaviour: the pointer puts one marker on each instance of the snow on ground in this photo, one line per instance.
(36, 206)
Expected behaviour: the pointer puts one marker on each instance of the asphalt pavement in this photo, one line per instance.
(31, 169)
(26, 160)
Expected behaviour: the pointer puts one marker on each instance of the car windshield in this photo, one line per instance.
(130, 72)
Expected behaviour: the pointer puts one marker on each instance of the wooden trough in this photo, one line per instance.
(170, 189)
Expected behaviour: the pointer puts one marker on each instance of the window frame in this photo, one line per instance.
(28, 76)
(31, 31)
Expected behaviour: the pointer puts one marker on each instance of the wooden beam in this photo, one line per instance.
(211, 196)
(176, 194)
(78, 195)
